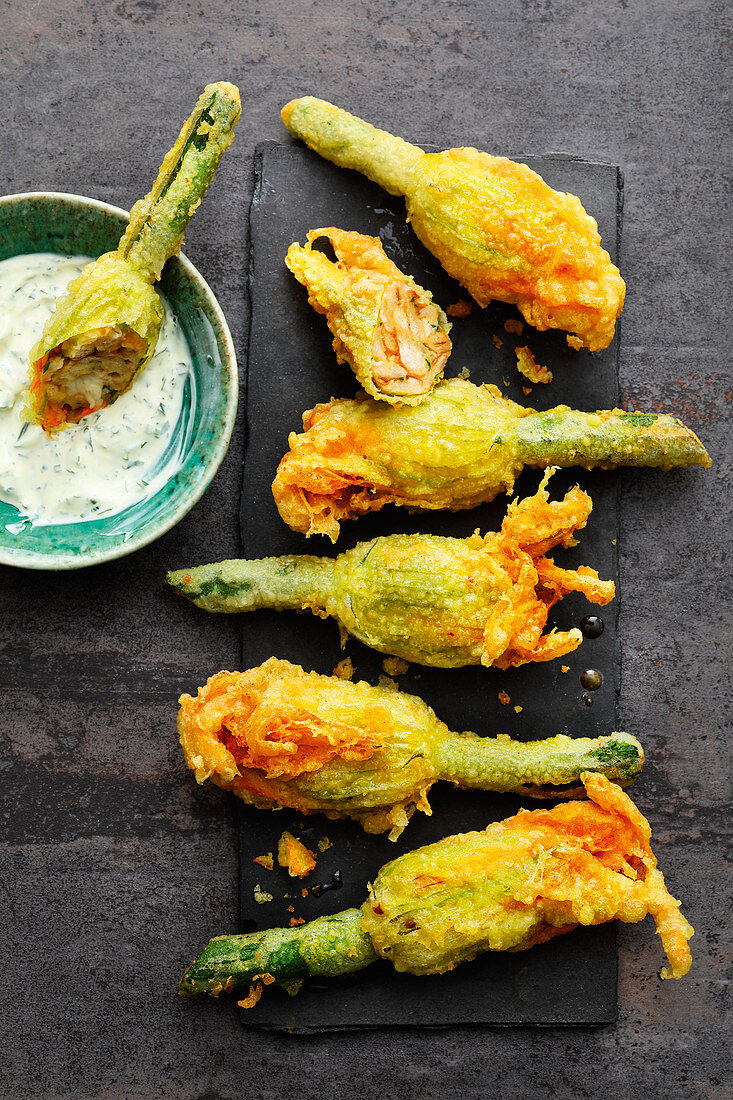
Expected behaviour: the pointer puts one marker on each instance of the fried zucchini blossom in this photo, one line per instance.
(462, 446)
(105, 328)
(495, 225)
(385, 326)
(279, 736)
(514, 885)
(426, 598)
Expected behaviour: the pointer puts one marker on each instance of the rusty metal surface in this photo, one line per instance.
(115, 869)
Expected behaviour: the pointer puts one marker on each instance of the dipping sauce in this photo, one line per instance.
(320, 888)
(112, 459)
(591, 679)
(592, 626)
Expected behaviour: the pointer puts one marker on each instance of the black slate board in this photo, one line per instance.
(572, 979)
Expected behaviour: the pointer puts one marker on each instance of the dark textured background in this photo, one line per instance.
(113, 868)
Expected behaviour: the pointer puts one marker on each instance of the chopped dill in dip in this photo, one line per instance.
(112, 459)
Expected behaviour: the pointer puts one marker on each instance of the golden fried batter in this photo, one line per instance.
(385, 326)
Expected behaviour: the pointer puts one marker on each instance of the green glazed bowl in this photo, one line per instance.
(74, 225)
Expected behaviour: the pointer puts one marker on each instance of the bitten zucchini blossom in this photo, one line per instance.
(279, 736)
(516, 884)
(495, 225)
(105, 328)
(385, 326)
(462, 446)
(426, 598)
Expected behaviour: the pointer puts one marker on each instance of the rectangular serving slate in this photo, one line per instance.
(571, 979)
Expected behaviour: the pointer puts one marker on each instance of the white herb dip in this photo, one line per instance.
(111, 459)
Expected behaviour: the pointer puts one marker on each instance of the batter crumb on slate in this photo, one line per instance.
(344, 669)
(293, 855)
(395, 666)
(388, 684)
(461, 308)
(255, 992)
(530, 368)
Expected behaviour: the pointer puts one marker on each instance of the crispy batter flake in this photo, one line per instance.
(294, 856)
(530, 368)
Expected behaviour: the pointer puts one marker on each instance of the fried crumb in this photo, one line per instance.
(565, 668)
(294, 856)
(461, 308)
(324, 844)
(464, 373)
(295, 921)
(291, 909)
(518, 710)
(395, 666)
(514, 325)
(498, 342)
(574, 342)
(505, 380)
(388, 684)
(526, 390)
(527, 365)
(344, 669)
(255, 992)
(304, 892)
(261, 896)
(265, 861)
(504, 699)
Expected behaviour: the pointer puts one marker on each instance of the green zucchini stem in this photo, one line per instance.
(536, 768)
(290, 583)
(567, 437)
(326, 947)
(352, 143)
(158, 221)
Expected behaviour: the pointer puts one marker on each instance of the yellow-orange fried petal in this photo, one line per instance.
(261, 720)
(532, 526)
(521, 881)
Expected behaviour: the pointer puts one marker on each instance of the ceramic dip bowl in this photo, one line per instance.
(74, 225)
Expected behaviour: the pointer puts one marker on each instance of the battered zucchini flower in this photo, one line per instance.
(462, 446)
(495, 225)
(516, 884)
(426, 598)
(105, 328)
(279, 736)
(385, 326)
